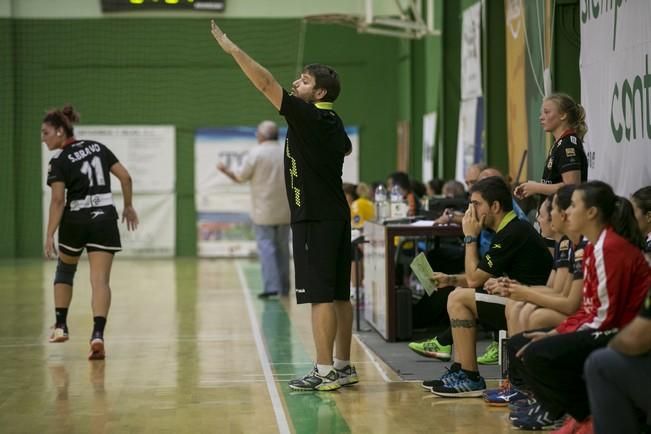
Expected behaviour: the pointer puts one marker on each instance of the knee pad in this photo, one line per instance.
(65, 273)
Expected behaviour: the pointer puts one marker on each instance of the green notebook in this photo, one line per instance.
(423, 272)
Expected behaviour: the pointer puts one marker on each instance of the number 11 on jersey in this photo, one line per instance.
(87, 169)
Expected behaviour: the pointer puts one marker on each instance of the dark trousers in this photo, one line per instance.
(552, 369)
(619, 387)
(516, 367)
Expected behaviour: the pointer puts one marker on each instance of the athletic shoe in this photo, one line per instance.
(524, 409)
(537, 419)
(315, 382)
(522, 403)
(453, 370)
(461, 386)
(97, 349)
(432, 349)
(59, 334)
(503, 396)
(505, 384)
(490, 356)
(347, 376)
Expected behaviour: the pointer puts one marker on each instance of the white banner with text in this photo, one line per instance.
(149, 154)
(615, 87)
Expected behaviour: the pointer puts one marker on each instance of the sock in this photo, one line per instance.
(473, 375)
(341, 364)
(99, 322)
(61, 314)
(324, 369)
(445, 337)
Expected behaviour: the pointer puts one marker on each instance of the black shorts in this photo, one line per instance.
(322, 260)
(101, 236)
(490, 310)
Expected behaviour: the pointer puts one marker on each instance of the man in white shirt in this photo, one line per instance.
(263, 167)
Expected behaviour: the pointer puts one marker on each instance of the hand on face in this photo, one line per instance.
(470, 223)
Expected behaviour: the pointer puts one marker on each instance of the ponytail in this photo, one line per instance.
(63, 118)
(579, 126)
(613, 210)
(575, 112)
(642, 199)
(564, 196)
(623, 222)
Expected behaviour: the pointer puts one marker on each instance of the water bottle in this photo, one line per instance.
(381, 205)
(398, 204)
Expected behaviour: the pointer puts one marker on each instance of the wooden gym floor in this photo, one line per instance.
(190, 349)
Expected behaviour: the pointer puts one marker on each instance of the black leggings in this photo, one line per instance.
(552, 368)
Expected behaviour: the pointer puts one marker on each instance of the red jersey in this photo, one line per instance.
(616, 280)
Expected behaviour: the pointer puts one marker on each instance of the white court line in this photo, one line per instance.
(373, 359)
(281, 419)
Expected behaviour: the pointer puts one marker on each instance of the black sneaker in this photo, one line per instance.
(461, 386)
(445, 378)
(315, 382)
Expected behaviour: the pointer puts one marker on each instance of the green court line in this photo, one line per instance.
(310, 412)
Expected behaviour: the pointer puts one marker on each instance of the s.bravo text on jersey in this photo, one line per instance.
(83, 153)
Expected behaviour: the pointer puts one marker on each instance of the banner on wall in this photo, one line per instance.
(224, 228)
(517, 127)
(471, 52)
(471, 116)
(148, 153)
(429, 137)
(615, 65)
(470, 144)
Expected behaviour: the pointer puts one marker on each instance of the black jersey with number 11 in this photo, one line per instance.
(84, 167)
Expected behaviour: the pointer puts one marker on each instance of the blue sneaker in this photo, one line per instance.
(461, 386)
(503, 396)
(505, 384)
(524, 408)
(537, 419)
(522, 403)
(453, 370)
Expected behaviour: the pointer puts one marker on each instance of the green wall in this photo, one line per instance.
(567, 49)
(170, 71)
(494, 85)
(7, 174)
(451, 93)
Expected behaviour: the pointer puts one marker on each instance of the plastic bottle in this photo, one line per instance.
(398, 203)
(381, 204)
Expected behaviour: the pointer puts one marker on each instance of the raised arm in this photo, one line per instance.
(259, 76)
